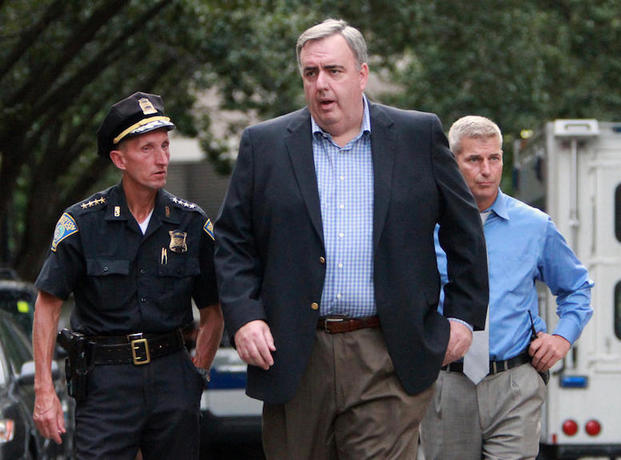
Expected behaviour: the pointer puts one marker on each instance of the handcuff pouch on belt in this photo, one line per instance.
(77, 362)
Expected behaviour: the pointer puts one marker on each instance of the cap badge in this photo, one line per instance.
(178, 241)
(146, 106)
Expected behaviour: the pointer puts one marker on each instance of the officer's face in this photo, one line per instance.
(480, 162)
(144, 159)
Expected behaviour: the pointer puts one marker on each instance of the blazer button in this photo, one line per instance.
(315, 306)
(322, 260)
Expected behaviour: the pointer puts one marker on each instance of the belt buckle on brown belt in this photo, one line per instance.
(328, 320)
(140, 349)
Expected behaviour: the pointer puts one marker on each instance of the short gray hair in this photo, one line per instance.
(330, 27)
(473, 126)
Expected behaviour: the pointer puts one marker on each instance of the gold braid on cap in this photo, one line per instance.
(142, 122)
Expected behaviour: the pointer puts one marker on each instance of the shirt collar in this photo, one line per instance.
(366, 122)
(499, 207)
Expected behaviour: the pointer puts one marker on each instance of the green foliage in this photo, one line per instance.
(517, 62)
(63, 62)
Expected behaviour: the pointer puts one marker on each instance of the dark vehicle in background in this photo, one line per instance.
(17, 298)
(230, 420)
(18, 435)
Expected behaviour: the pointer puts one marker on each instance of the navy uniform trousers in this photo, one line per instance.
(152, 407)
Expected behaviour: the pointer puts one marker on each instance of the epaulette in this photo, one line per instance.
(183, 204)
(93, 203)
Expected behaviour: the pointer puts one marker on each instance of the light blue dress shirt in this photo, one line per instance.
(345, 183)
(524, 245)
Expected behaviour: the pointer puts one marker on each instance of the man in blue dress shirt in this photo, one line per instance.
(499, 416)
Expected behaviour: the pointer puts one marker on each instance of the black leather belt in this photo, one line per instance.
(337, 325)
(137, 349)
(494, 366)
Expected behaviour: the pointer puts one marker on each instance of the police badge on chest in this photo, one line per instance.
(178, 241)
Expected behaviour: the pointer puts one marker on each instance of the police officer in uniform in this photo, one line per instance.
(134, 256)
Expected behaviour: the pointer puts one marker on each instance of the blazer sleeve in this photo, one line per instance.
(461, 237)
(236, 259)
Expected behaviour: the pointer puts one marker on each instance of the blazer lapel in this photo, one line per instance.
(300, 149)
(384, 147)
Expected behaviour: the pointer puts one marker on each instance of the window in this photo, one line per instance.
(4, 370)
(618, 212)
(618, 310)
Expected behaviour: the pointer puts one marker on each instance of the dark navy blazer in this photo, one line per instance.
(269, 244)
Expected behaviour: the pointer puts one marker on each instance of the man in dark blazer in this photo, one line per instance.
(326, 262)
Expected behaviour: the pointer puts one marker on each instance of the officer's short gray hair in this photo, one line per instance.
(329, 27)
(473, 126)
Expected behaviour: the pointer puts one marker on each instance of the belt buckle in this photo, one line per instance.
(328, 320)
(137, 344)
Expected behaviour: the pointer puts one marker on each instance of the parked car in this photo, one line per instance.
(230, 420)
(17, 298)
(19, 438)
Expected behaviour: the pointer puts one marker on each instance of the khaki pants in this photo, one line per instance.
(498, 419)
(349, 405)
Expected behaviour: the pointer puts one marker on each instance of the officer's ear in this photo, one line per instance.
(118, 159)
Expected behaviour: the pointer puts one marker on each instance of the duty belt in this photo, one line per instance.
(138, 348)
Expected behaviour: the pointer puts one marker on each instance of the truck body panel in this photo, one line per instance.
(572, 171)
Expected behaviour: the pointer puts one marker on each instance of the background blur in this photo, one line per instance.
(221, 65)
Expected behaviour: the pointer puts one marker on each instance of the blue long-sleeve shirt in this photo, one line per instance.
(524, 246)
(345, 183)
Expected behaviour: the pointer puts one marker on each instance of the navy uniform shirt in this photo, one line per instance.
(126, 282)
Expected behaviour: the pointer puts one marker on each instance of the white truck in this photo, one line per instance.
(572, 170)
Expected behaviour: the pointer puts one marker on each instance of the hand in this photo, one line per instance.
(547, 349)
(459, 342)
(48, 415)
(255, 344)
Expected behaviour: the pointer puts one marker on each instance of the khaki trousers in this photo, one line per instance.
(349, 405)
(498, 419)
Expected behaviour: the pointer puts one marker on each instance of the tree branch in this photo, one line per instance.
(30, 35)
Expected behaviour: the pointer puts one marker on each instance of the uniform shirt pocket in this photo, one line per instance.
(107, 267)
(176, 279)
(179, 267)
(110, 285)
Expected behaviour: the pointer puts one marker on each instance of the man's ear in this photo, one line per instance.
(364, 75)
(118, 159)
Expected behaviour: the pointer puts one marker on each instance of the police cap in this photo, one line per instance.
(132, 116)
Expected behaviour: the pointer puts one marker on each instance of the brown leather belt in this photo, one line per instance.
(139, 348)
(338, 325)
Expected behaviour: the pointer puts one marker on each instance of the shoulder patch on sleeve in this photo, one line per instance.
(208, 227)
(65, 227)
